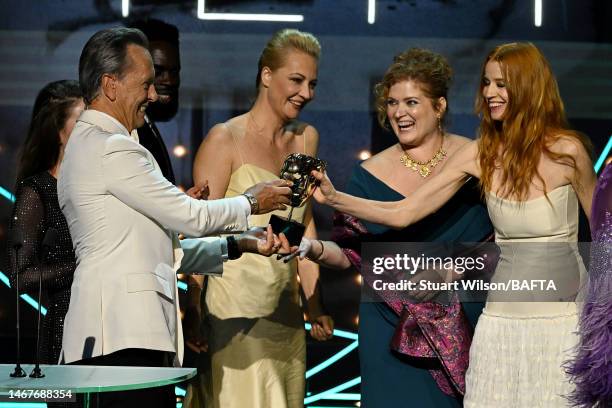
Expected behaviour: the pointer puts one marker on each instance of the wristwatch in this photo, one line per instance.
(253, 202)
(233, 251)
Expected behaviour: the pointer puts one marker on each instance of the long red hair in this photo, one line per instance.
(533, 120)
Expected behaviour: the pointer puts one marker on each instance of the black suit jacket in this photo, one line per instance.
(151, 139)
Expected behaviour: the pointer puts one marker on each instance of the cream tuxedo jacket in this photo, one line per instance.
(123, 217)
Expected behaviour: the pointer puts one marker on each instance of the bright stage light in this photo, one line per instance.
(203, 15)
(537, 12)
(371, 11)
(179, 150)
(364, 155)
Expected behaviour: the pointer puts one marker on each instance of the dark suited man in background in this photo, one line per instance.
(164, 49)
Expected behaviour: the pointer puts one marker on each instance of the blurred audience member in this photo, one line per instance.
(164, 48)
(36, 210)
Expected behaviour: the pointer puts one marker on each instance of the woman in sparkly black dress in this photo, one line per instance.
(56, 109)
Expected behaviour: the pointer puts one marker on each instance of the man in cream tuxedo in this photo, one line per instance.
(124, 217)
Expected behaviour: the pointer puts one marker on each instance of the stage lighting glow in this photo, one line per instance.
(344, 396)
(364, 155)
(537, 12)
(332, 391)
(125, 8)
(322, 366)
(338, 333)
(29, 300)
(604, 154)
(371, 11)
(7, 194)
(203, 15)
(5, 279)
(179, 150)
(26, 298)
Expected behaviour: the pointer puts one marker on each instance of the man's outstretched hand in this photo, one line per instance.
(264, 242)
(271, 195)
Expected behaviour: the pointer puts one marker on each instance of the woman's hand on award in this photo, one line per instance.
(325, 191)
(322, 327)
(302, 251)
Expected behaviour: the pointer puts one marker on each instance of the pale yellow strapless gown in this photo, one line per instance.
(519, 347)
(257, 346)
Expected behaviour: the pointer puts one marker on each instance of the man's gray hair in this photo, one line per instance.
(105, 53)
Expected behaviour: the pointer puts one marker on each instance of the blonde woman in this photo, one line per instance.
(256, 344)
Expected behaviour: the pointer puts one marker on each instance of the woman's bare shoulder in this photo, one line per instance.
(568, 144)
(456, 141)
(222, 133)
(461, 144)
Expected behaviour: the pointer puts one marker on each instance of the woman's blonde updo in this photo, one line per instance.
(281, 43)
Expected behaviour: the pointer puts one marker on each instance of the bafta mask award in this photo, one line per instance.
(297, 168)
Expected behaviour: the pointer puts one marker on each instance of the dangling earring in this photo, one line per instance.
(440, 125)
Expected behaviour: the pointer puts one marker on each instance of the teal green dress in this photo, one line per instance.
(390, 379)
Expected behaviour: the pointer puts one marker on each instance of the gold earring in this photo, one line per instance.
(440, 124)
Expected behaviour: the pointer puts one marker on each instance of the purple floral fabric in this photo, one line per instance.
(425, 330)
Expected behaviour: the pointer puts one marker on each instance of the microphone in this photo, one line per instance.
(16, 242)
(49, 240)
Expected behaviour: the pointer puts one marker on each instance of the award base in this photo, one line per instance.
(293, 230)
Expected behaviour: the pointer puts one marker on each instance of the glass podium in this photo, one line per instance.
(85, 380)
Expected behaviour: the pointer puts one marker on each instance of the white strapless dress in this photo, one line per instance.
(522, 339)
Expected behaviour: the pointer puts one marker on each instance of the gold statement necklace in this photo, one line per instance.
(424, 168)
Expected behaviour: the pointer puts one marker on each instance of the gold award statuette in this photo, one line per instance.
(297, 168)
